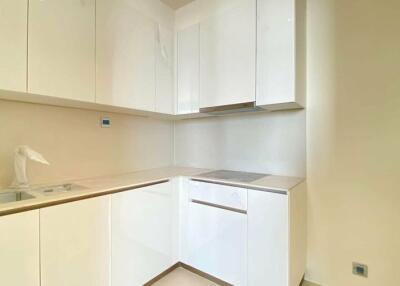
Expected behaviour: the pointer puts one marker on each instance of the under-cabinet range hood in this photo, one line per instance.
(231, 108)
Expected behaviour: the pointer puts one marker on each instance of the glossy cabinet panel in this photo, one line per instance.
(281, 53)
(75, 243)
(13, 47)
(144, 233)
(268, 238)
(276, 51)
(215, 242)
(61, 49)
(125, 55)
(227, 196)
(19, 244)
(227, 52)
(165, 70)
(188, 53)
(213, 236)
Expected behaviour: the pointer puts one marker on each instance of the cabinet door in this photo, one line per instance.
(188, 51)
(268, 246)
(13, 47)
(19, 248)
(74, 243)
(227, 52)
(215, 242)
(165, 70)
(275, 51)
(125, 55)
(61, 50)
(144, 233)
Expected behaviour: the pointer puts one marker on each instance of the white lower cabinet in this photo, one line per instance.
(277, 237)
(214, 235)
(218, 242)
(144, 233)
(268, 238)
(243, 236)
(75, 243)
(19, 245)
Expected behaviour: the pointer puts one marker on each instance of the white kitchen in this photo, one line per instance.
(198, 142)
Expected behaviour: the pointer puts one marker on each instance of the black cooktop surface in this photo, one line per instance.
(243, 177)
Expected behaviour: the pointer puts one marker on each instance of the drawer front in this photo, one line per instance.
(220, 195)
(215, 242)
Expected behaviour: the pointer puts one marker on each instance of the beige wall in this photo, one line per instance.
(75, 145)
(353, 141)
(264, 142)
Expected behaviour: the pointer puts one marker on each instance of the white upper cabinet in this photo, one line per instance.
(75, 243)
(61, 49)
(227, 52)
(134, 55)
(144, 233)
(13, 47)
(165, 70)
(188, 54)
(122, 53)
(19, 243)
(280, 53)
(250, 51)
(125, 55)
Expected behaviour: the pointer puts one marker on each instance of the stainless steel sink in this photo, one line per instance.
(57, 189)
(15, 196)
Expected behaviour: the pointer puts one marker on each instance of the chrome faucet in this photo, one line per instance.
(21, 154)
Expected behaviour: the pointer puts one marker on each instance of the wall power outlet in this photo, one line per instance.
(360, 269)
(105, 122)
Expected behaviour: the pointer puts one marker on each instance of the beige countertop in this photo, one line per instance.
(115, 183)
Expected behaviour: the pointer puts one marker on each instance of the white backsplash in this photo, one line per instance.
(272, 143)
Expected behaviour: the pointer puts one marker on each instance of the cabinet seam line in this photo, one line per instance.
(27, 47)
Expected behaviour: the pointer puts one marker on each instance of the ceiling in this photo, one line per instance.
(176, 4)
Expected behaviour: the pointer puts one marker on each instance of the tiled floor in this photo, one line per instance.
(183, 277)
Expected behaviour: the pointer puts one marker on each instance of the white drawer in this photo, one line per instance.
(221, 195)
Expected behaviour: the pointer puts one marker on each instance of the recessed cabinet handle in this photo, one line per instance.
(219, 206)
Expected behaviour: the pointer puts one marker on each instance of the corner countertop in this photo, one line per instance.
(115, 183)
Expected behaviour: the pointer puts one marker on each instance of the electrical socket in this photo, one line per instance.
(360, 269)
(105, 122)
